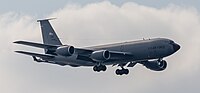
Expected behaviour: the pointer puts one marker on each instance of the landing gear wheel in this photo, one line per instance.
(122, 71)
(126, 71)
(103, 68)
(118, 72)
(99, 68)
(95, 68)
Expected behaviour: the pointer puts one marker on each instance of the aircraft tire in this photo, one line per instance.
(122, 71)
(118, 72)
(99, 68)
(103, 68)
(95, 68)
(126, 71)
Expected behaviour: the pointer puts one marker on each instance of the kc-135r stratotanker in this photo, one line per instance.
(149, 52)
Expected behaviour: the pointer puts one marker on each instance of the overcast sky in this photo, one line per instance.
(38, 8)
(88, 22)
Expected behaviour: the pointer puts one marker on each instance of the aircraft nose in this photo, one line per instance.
(176, 47)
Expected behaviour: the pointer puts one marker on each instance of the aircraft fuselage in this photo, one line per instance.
(141, 50)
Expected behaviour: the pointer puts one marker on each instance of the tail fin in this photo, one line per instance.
(48, 34)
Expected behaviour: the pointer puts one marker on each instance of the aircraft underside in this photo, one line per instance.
(159, 64)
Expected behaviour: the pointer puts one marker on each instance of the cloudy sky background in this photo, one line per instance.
(84, 23)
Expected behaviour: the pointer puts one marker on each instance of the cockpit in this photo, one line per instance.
(176, 47)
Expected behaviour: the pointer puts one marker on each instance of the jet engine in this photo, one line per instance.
(101, 55)
(65, 50)
(156, 65)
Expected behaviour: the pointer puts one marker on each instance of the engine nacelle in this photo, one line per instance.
(156, 65)
(65, 50)
(101, 55)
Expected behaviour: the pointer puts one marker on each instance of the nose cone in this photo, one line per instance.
(176, 47)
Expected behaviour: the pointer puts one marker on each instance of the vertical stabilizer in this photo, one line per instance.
(48, 34)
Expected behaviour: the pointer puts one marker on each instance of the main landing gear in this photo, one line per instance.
(122, 71)
(99, 68)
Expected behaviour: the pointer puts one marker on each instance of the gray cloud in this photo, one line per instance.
(100, 23)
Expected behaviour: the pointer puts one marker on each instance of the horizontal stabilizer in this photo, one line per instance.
(39, 45)
(45, 19)
(43, 56)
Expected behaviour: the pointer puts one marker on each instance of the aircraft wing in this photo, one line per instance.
(115, 56)
(120, 54)
(39, 45)
(83, 53)
(43, 56)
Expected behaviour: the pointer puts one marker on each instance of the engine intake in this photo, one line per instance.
(156, 65)
(101, 55)
(65, 50)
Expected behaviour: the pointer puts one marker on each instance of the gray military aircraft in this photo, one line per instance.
(149, 52)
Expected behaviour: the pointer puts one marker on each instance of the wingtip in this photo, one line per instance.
(16, 42)
(21, 52)
(18, 51)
